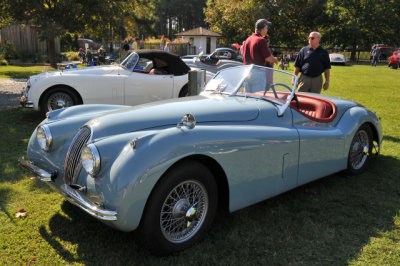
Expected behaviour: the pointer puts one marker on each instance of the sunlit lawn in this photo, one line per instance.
(333, 221)
(22, 72)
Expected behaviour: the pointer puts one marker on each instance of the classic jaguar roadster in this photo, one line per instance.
(163, 168)
(143, 76)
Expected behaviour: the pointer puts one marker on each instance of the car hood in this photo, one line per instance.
(98, 70)
(205, 109)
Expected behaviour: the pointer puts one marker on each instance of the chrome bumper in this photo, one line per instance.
(77, 199)
(69, 193)
(23, 99)
(38, 172)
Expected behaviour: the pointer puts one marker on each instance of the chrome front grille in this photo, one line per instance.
(71, 163)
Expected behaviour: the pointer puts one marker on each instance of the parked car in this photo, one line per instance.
(220, 59)
(91, 45)
(385, 52)
(163, 168)
(127, 83)
(338, 59)
(394, 60)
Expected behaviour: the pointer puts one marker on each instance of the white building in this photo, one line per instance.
(203, 39)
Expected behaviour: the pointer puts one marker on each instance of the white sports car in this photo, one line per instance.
(338, 59)
(143, 76)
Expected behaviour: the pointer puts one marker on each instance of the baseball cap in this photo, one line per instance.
(261, 23)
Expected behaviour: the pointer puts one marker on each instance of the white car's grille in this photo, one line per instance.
(71, 163)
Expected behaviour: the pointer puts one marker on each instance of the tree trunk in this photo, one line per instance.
(353, 53)
(52, 52)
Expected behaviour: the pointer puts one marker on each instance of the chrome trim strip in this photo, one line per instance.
(77, 199)
(38, 172)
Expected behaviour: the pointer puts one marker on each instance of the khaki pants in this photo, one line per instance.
(309, 84)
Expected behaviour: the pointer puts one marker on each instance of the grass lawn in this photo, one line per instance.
(22, 72)
(333, 221)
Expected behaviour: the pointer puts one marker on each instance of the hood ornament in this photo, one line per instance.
(188, 121)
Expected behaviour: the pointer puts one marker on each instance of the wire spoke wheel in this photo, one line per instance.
(183, 211)
(59, 100)
(359, 149)
(180, 210)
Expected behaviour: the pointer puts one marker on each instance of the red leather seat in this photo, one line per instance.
(314, 108)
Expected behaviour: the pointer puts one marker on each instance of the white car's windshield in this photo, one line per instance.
(130, 61)
(254, 81)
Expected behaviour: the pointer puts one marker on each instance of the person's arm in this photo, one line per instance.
(272, 59)
(295, 72)
(327, 73)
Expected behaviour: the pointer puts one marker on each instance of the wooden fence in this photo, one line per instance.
(26, 39)
(179, 49)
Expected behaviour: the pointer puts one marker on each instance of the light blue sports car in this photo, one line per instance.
(163, 168)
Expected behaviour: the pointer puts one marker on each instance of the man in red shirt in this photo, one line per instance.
(255, 48)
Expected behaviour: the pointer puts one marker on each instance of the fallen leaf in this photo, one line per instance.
(20, 213)
(32, 261)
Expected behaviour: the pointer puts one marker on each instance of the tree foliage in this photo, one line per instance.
(174, 16)
(354, 23)
(235, 20)
(345, 23)
(362, 23)
(55, 17)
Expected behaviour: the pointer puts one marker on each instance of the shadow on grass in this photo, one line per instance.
(390, 138)
(9, 100)
(328, 221)
(4, 198)
(16, 127)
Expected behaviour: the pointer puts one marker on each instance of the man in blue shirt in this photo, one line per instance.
(375, 56)
(312, 61)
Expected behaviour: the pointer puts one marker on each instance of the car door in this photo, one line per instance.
(142, 87)
(100, 89)
(268, 162)
(321, 149)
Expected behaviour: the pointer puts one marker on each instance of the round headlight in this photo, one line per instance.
(90, 159)
(44, 138)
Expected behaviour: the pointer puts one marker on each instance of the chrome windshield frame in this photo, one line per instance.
(281, 107)
(128, 58)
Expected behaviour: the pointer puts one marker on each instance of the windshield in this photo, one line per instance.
(130, 61)
(254, 81)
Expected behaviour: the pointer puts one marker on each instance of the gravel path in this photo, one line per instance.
(10, 90)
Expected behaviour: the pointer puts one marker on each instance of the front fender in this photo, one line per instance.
(41, 85)
(135, 171)
(353, 119)
(132, 174)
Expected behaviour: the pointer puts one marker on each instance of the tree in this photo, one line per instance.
(54, 17)
(139, 18)
(292, 19)
(173, 16)
(295, 19)
(362, 23)
(235, 20)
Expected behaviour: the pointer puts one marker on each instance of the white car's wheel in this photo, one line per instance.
(180, 210)
(57, 98)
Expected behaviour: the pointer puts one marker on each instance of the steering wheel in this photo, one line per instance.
(272, 87)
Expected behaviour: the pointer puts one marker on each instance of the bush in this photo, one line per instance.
(7, 50)
(33, 58)
(69, 42)
(3, 61)
(71, 56)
